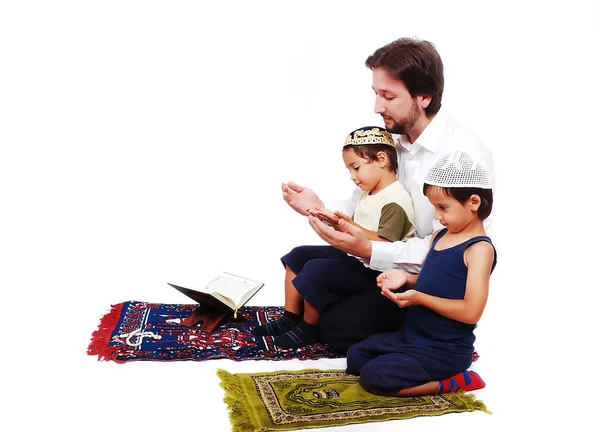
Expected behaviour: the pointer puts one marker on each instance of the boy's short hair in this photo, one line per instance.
(367, 141)
(462, 194)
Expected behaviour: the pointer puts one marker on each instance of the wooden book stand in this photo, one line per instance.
(208, 318)
(209, 313)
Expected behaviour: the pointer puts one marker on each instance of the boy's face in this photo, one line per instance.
(394, 103)
(366, 175)
(450, 212)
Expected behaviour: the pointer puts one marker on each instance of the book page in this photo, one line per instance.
(234, 288)
(249, 294)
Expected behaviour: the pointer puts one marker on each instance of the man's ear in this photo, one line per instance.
(424, 100)
(474, 202)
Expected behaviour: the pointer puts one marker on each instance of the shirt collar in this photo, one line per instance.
(430, 137)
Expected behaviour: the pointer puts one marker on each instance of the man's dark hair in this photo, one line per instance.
(417, 64)
(462, 194)
(369, 152)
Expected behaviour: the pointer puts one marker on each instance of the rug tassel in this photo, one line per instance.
(239, 415)
(101, 337)
(471, 402)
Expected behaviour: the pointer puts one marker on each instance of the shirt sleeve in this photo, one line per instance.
(394, 223)
(408, 255)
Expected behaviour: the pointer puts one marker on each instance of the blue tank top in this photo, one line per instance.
(444, 274)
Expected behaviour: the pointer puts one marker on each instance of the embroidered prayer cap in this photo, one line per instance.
(458, 169)
(369, 135)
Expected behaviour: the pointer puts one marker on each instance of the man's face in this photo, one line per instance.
(393, 102)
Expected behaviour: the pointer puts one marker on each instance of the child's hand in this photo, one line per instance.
(392, 279)
(326, 216)
(403, 299)
(344, 216)
(332, 218)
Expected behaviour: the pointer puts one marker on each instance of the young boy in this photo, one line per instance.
(384, 211)
(444, 301)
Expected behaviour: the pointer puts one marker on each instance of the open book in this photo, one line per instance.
(227, 289)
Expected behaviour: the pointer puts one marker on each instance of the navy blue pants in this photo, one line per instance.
(346, 294)
(325, 275)
(387, 364)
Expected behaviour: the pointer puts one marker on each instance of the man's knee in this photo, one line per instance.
(340, 330)
(357, 317)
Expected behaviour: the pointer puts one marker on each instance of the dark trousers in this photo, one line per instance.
(387, 364)
(346, 294)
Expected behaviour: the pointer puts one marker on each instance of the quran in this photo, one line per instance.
(218, 299)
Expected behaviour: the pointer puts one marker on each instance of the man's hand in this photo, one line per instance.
(346, 237)
(300, 198)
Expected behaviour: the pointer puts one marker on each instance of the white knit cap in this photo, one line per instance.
(458, 169)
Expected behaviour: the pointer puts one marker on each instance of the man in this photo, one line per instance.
(408, 81)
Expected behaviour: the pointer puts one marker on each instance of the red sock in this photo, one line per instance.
(466, 381)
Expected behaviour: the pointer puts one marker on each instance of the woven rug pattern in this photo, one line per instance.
(291, 400)
(137, 330)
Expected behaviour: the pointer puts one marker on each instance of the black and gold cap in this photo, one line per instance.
(369, 135)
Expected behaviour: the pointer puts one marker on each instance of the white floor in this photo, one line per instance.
(144, 141)
(53, 383)
(76, 392)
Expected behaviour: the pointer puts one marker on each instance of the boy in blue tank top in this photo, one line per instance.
(444, 301)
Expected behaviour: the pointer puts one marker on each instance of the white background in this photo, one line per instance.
(146, 141)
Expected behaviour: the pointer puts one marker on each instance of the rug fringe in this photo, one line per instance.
(239, 415)
(101, 337)
(471, 402)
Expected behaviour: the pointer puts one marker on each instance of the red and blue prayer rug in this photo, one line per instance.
(136, 330)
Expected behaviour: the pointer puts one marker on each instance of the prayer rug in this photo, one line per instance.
(291, 400)
(136, 330)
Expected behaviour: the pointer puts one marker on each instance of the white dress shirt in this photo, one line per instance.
(442, 135)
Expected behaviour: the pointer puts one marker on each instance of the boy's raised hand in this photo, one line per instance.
(402, 299)
(300, 198)
(392, 279)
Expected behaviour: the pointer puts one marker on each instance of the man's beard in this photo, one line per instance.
(404, 126)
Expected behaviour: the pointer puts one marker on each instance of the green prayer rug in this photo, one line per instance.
(312, 398)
